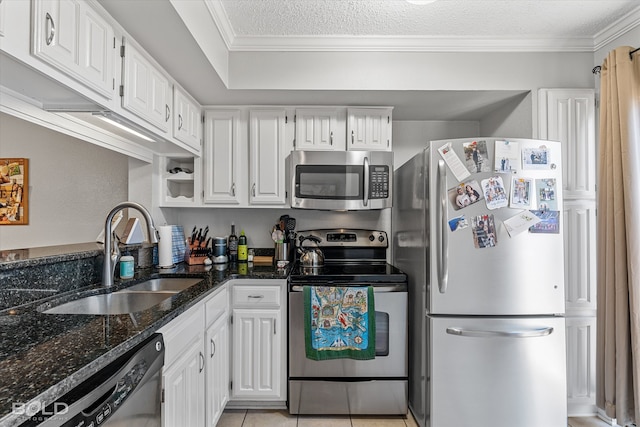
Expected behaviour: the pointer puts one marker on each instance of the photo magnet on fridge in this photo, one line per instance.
(458, 223)
(536, 158)
(521, 192)
(507, 157)
(546, 192)
(476, 156)
(494, 192)
(549, 222)
(484, 231)
(465, 194)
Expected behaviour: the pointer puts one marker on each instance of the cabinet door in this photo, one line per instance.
(221, 157)
(317, 129)
(369, 129)
(568, 116)
(266, 156)
(184, 388)
(146, 91)
(57, 26)
(74, 38)
(187, 115)
(257, 353)
(217, 340)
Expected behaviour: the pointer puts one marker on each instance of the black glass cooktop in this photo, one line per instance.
(348, 272)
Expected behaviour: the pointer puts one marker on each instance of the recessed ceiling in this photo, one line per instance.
(316, 24)
(370, 25)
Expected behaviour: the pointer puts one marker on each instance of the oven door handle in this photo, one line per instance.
(376, 289)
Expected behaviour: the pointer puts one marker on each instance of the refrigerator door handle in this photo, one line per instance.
(443, 272)
(530, 333)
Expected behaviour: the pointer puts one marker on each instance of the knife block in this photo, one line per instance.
(196, 255)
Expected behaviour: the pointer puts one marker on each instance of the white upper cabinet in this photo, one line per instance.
(222, 160)
(146, 91)
(74, 38)
(2, 15)
(568, 116)
(369, 128)
(187, 119)
(266, 156)
(321, 128)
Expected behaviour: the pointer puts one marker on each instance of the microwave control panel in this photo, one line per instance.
(378, 182)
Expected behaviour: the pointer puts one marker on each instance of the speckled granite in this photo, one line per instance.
(43, 356)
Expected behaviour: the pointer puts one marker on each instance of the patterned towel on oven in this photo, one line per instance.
(339, 322)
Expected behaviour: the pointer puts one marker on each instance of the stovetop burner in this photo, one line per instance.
(358, 272)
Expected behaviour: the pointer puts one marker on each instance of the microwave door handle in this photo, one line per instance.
(366, 181)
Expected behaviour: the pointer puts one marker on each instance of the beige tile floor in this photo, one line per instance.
(281, 418)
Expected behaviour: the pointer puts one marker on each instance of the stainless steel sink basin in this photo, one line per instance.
(112, 303)
(164, 284)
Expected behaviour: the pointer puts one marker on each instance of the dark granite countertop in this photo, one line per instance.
(43, 356)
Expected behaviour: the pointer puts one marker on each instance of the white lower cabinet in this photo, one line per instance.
(195, 377)
(259, 341)
(184, 388)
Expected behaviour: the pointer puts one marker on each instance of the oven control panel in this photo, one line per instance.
(348, 238)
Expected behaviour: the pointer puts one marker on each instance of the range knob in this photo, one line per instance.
(372, 237)
(381, 238)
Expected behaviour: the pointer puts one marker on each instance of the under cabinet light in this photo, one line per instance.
(124, 124)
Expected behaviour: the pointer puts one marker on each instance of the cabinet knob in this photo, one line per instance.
(52, 28)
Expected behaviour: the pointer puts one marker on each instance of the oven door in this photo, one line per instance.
(391, 340)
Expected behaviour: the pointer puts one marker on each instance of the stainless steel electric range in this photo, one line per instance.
(346, 386)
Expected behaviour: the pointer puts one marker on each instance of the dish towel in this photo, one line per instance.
(339, 322)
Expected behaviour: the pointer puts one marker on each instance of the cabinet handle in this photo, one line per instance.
(233, 189)
(179, 121)
(168, 112)
(353, 137)
(274, 327)
(331, 139)
(201, 362)
(213, 347)
(52, 28)
(253, 190)
(256, 296)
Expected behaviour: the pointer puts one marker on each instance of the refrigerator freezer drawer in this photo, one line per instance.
(488, 372)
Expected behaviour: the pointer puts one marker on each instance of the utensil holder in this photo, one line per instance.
(282, 252)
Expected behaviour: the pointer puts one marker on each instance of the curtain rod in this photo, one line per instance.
(597, 68)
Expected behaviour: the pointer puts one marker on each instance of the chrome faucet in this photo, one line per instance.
(111, 250)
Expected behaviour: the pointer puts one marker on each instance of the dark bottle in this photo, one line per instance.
(242, 247)
(233, 244)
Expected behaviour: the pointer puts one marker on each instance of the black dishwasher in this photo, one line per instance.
(124, 393)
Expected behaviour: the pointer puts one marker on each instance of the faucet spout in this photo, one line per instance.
(111, 251)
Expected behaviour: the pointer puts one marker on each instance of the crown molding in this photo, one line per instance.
(409, 44)
(329, 43)
(617, 29)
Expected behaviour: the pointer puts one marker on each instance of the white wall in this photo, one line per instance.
(72, 185)
(512, 120)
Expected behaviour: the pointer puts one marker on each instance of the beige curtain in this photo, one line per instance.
(618, 343)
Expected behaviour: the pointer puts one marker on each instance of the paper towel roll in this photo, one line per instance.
(165, 246)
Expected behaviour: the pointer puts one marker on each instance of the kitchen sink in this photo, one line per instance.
(112, 303)
(164, 284)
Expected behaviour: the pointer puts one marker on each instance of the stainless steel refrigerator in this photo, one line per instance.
(486, 287)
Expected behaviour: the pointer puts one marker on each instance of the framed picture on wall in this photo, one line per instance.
(14, 188)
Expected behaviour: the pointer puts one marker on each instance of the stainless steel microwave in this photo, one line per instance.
(341, 180)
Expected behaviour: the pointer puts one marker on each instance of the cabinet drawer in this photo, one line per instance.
(181, 331)
(216, 306)
(254, 296)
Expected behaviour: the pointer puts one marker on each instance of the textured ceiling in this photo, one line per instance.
(444, 18)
